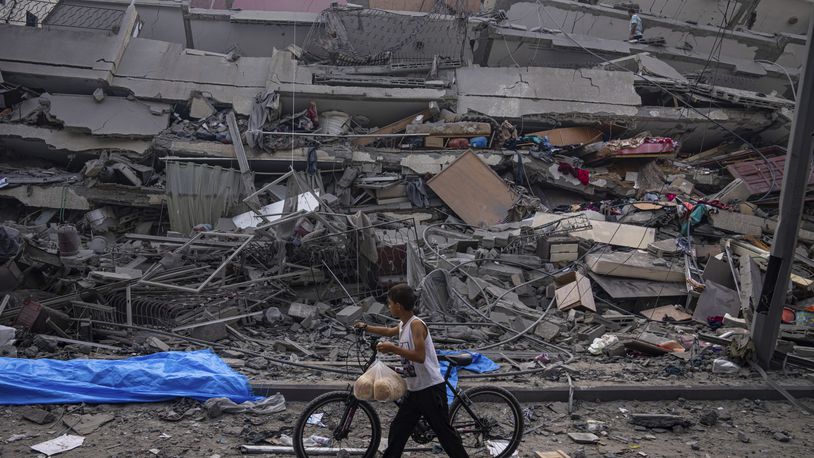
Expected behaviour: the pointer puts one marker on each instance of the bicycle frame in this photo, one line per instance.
(350, 410)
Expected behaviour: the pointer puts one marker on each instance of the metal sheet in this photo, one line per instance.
(473, 191)
(758, 175)
(199, 194)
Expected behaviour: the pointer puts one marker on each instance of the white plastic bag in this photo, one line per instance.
(379, 383)
(600, 343)
(724, 366)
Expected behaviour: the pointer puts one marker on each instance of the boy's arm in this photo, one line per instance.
(417, 355)
(378, 330)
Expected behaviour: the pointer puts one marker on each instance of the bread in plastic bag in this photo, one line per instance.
(379, 383)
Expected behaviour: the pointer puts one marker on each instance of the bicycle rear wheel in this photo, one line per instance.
(492, 419)
(337, 423)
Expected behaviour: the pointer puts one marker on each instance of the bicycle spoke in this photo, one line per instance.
(324, 429)
(490, 430)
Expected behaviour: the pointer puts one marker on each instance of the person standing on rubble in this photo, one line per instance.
(426, 392)
(636, 25)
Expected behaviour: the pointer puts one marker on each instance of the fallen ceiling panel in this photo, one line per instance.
(473, 191)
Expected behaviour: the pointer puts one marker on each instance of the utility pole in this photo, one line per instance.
(766, 325)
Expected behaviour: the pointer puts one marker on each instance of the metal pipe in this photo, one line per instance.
(285, 450)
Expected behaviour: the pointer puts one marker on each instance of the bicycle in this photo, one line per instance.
(488, 419)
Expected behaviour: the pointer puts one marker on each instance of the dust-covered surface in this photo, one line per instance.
(740, 428)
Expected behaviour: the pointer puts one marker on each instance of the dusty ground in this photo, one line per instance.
(138, 428)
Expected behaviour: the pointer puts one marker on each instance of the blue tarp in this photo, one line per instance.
(480, 364)
(200, 375)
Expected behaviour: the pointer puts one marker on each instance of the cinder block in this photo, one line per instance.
(349, 314)
(300, 311)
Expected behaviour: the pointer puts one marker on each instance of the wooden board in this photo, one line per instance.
(571, 135)
(473, 191)
(576, 294)
(392, 128)
(660, 313)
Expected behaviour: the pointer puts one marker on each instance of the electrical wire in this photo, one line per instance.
(788, 75)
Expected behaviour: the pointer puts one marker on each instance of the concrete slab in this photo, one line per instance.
(737, 222)
(636, 264)
(514, 92)
(113, 116)
(624, 235)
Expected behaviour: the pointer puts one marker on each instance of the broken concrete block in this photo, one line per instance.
(300, 311)
(86, 424)
(377, 308)
(664, 248)
(200, 108)
(736, 191)
(636, 264)
(682, 185)
(210, 332)
(547, 330)
(501, 318)
(155, 342)
(656, 420)
(349, 314)
(590, 332)
(584, 438)
(37, 415)
(737, 223)
(99, 94)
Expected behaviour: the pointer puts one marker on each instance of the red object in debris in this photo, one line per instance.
(29, 314)
(584, 176)
(761, 176)
(458, 143)
(789, 316)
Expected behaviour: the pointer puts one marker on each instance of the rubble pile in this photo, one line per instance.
(573, 246)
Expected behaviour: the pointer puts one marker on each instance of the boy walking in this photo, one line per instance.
(426, 391)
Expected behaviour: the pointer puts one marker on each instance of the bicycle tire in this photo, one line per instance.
(503, 395)
(338, 397)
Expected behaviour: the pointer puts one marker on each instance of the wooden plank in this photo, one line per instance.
(576, 294)
(660, 313)
(571, 135)
(473, 191)
(392, 128)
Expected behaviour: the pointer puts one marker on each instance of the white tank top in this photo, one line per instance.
(417, 375)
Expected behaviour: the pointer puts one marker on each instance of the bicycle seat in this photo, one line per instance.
(461, 359)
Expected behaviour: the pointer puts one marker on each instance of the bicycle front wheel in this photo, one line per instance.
(337, 424)
(489, 421)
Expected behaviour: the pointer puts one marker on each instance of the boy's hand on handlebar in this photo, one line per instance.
(360, 325)
(385, 347)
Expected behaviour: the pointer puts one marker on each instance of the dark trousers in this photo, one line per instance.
(432, 404)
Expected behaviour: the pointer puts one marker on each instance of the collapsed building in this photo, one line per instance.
(174, 175)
